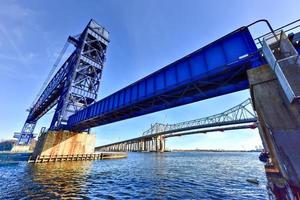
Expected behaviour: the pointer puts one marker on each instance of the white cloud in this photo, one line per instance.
(16, 23)
(12, 10)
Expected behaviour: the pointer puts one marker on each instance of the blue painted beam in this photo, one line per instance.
(216, 69)
(51, 93)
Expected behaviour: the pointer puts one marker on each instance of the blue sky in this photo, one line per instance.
(145, 36)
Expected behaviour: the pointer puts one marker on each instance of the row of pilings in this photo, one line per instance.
(145, 144)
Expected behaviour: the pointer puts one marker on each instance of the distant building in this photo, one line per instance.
(7, 145)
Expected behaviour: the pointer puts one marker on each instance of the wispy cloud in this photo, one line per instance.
(15, 22)
(14, 10)
(11, 41)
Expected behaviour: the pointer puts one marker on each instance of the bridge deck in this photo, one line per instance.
(216, 69)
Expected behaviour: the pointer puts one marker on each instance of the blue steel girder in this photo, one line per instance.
(51, 93)
(216, 69)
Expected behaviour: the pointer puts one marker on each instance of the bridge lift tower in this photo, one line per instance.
(74, 85)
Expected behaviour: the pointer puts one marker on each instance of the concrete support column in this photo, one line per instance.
(152, 144)
(162, 142)
(135, 144)
(148, 145)
(156, 144)
(139, 145)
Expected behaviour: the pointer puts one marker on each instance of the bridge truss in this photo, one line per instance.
(241, 116)
(242, 113)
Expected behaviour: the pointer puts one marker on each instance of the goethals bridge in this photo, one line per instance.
(269, 65)
(154, 138)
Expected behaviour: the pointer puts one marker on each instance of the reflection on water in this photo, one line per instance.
(179, 175)
(45, 180)
(61, 179)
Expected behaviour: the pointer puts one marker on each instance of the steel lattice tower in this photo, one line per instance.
(75, 85)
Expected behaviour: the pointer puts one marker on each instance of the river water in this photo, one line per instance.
(173, 175)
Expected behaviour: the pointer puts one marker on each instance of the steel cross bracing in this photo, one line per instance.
(242, 113)
(82, 83)
(76, 82)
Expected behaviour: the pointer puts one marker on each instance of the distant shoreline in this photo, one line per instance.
(212, 150)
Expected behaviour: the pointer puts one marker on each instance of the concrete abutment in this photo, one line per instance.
(68, 146)
(279, 128)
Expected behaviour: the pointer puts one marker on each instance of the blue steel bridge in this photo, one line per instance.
(216, 69)
(270, 63)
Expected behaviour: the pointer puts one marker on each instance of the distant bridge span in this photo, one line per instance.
(241, 116)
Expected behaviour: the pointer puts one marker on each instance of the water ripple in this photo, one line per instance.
(181, 175)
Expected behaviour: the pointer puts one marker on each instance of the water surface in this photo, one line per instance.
(174, 175)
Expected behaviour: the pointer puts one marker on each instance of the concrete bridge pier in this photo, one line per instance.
(145, 145)
(63, 143)
(156, 144)
(152, 147)
(148, 147)
(160, 141)
(58, 146)
(279, 128)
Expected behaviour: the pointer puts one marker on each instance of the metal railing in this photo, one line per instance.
(288, 28)
(280, 53)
